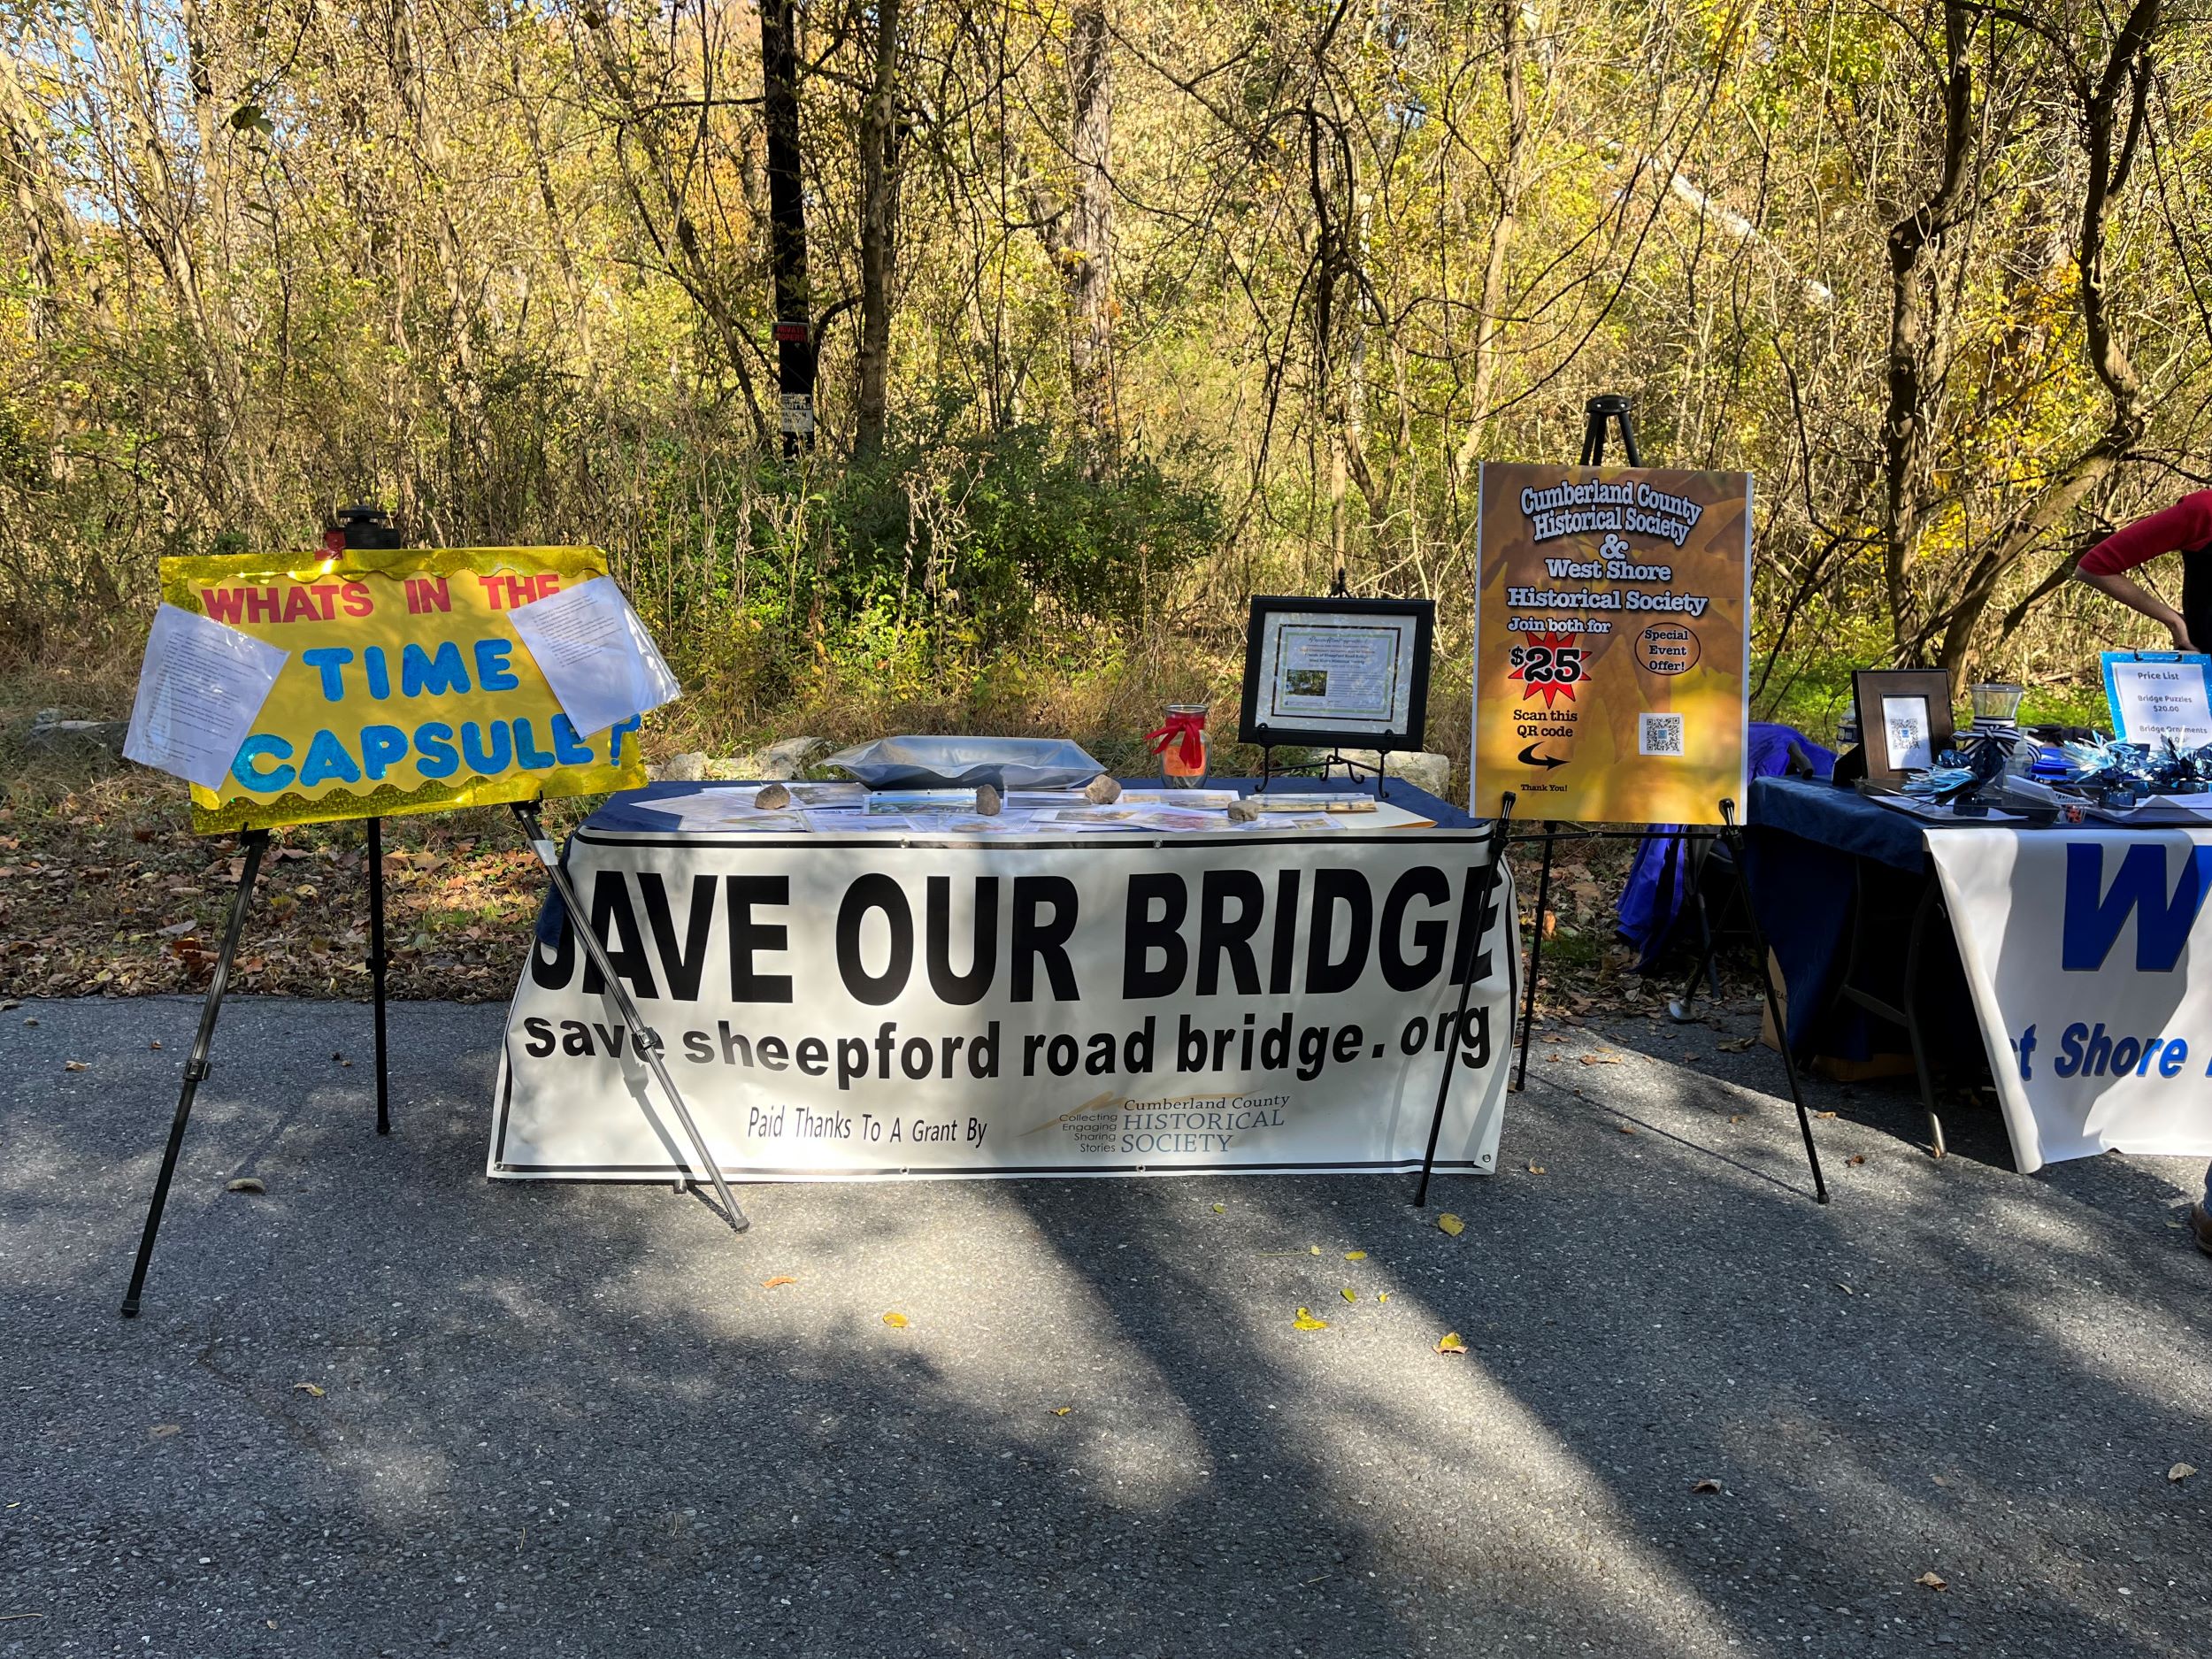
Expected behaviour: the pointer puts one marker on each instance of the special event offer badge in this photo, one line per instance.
(1613, 612)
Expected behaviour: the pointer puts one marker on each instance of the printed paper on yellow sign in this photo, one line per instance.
(405, 688)
(1612, 617)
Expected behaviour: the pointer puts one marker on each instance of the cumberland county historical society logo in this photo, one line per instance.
(1184, 1125)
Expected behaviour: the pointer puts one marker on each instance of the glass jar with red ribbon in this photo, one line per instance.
(1181, 745)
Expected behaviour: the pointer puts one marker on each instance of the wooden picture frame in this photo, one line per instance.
(1396, 634)
(1883, 697)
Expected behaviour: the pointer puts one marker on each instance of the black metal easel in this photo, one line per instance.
(368, 526)
(1600, 412)
(1605, 408)
(642, 1040)
(1732, 834)
(255, 842)
(1483, 885)
(360, 526)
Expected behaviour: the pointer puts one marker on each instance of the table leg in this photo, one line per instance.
(1929, 902)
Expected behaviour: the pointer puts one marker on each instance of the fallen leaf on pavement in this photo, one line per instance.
(1824, 1114)
(163, 1430)
(74, 1065)
(896, 1321)
(245, 1184)
(1536, 1168)
(1452, 1224)
(2181, 1471)
(1707, 1484)
(1599, 1059)
(314, 1390)
(1734, 1045)
(1627, 1129)
(1313, 1249)
(1355, 1255)
(1451, 1342)
(1061, 1412)
(780, 1278)
(1349, 1294)
(1307, 1322)
(1856, 1158)
(1221, 1210)
(1933, 1580)
(1382, 1295)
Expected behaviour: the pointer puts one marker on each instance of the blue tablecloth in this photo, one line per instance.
(1804, 846)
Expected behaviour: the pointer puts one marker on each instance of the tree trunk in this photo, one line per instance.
(1490, 323)
(1919, 332)
(1089, 259)
(787, 225)
(879, 225)
(2113, 109)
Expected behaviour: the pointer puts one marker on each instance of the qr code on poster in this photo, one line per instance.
(1658, 735)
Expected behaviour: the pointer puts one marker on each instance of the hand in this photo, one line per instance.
(2180, 631)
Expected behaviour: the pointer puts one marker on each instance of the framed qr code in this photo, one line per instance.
(1658, 735)
(1904, 719)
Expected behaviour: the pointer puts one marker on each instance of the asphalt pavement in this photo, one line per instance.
(388, 1406)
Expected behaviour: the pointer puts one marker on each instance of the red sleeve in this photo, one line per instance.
(2186, 524)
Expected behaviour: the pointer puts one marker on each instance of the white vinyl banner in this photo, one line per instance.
(872, 1008)
(2096, 1012)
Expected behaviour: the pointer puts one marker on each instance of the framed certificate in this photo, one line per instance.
(1337, 671)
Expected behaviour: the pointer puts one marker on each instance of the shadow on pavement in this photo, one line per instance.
(572, 1419)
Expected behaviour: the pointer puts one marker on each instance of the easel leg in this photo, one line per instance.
(376, 966)
(1734, 838)
(526, 812)
(1535, 963)
(1485, 884)
(256, 840)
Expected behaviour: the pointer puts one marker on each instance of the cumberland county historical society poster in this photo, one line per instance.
(1612, 617)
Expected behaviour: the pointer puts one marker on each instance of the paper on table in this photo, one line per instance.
(829, 795)
(595, 654)
(1181, 800)
(909, 803)
(1092, 816)
(835, 823)
(766, 823)
(200, 688)
(712, 808)
(1004, 824)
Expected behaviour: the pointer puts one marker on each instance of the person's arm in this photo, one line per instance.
(2135, 597)
(2186, 524)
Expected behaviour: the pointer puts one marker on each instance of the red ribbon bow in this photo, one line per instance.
(1191, 728)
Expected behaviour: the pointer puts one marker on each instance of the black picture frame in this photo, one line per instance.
(1869, 686)
(1405, 740)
